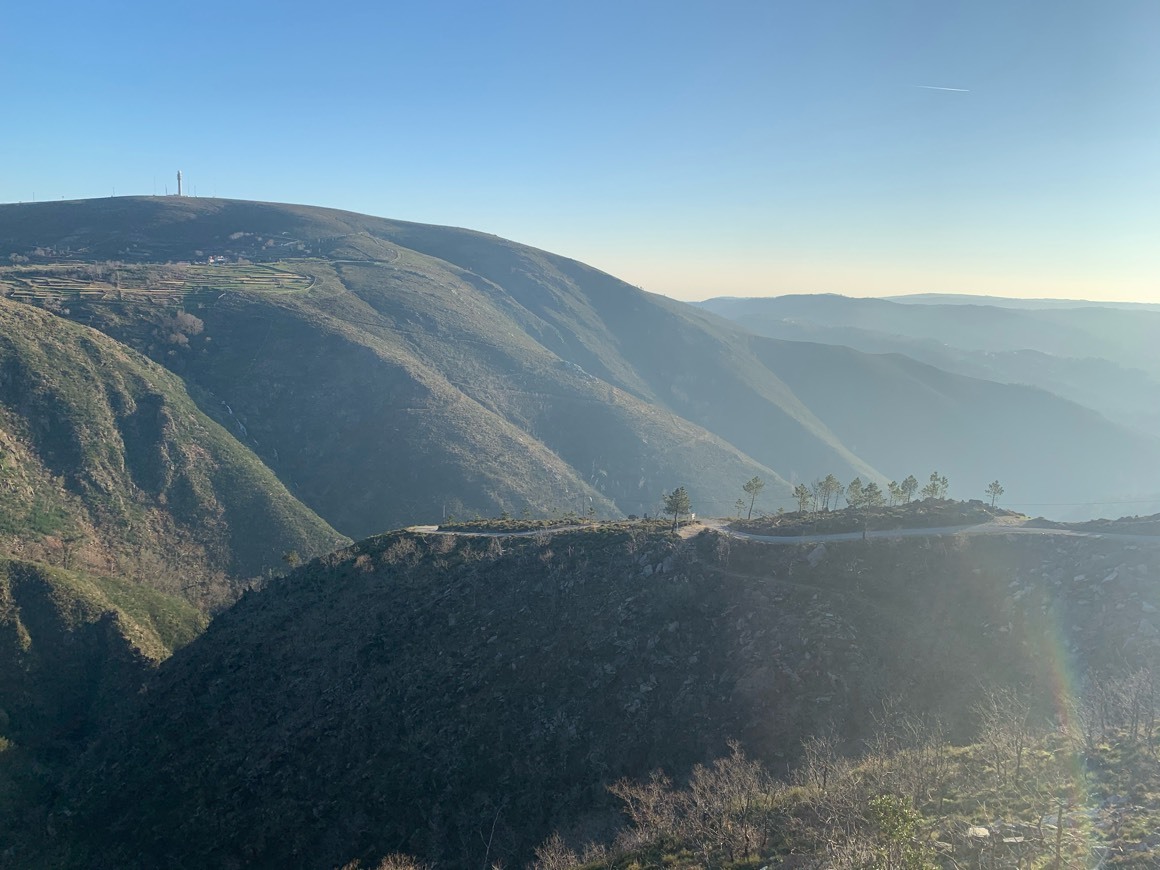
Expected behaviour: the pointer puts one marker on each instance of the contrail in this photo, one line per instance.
(937, 88)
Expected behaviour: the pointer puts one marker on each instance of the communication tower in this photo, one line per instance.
(179, 182)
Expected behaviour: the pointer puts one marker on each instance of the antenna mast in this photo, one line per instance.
(179, 182)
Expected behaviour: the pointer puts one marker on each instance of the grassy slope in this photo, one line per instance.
(357, 425)
(108, 464)
(626, 445)
(408, 692)
(60, 627)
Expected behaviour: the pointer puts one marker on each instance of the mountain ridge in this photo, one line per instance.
(542, 384)
(412, 690)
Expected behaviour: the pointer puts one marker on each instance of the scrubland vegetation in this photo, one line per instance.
(1080, 789)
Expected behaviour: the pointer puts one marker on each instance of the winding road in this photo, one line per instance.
(998, 526)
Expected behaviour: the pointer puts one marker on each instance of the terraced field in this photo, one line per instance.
(144, 282)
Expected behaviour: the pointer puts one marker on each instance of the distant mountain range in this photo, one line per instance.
(1009, 302)
(1102, 357)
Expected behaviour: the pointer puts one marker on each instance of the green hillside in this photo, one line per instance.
(107, 465)
(187, 386)
(73, 648)
(71, 639)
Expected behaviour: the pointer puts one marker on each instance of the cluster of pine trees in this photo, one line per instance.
(818, 495)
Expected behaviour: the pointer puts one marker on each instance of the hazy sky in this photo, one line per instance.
(693, 148)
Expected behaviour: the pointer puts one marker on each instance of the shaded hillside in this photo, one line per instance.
(72, 648)
(663, 352)
(106, 464)
(73, 643)
(411, 692)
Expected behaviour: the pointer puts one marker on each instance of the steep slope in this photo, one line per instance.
(106, 464)
(662, 351)
(393, 373)
(414, 691)
(72, 644)
(494, 394)
(73, 648)
(375, 424)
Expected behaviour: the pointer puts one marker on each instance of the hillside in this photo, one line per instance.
(107, 465)
(413, 691)
(73, 647)
(392, 373)
(74, 642)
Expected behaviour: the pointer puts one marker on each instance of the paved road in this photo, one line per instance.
(435, 530)
(1004, 526)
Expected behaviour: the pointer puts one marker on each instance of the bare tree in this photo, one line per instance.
(723, 802)
(554, 854)
(1005, 729)
(651, 806)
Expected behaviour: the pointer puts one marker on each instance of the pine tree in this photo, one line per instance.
(801, 492)
(895, 491)
(937, 487)
(678, 504)
(994, 489)
(753, 489)
(854, 494)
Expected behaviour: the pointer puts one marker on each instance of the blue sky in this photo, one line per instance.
(695, 149)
